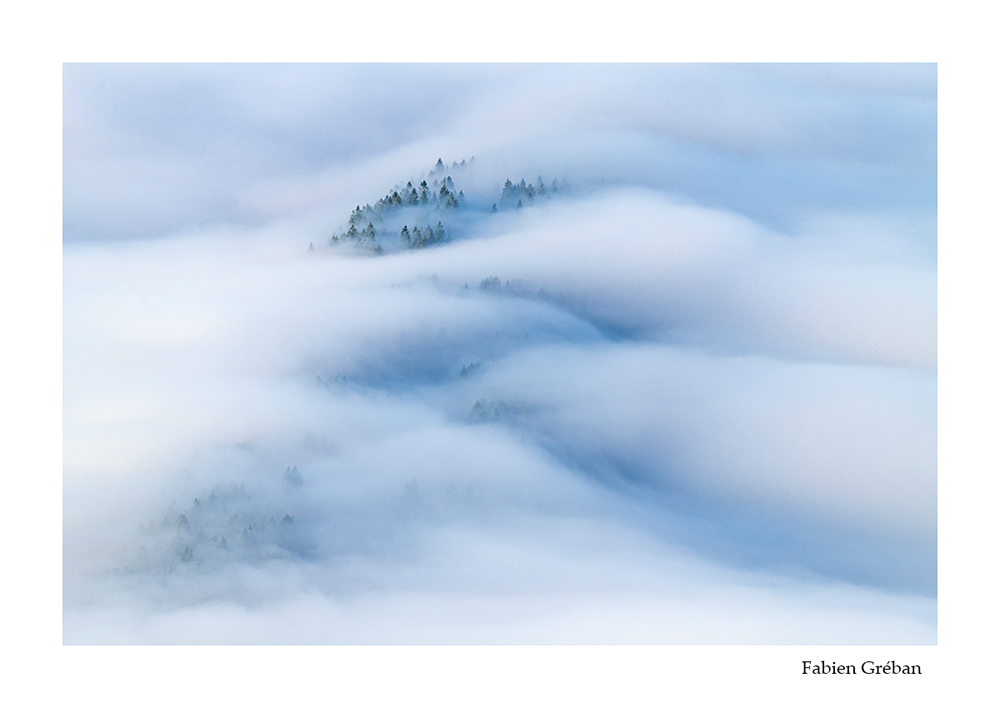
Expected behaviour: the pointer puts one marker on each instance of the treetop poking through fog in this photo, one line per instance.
(658, 365)
(426, 201)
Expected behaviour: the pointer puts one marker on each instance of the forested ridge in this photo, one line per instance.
(424, 214)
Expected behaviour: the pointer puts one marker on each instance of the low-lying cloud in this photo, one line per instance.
(628, 412)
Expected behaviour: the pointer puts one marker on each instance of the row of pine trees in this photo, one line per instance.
(522, 191)
(415, 238)
(439, 194)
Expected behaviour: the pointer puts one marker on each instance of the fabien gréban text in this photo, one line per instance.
(883, 668)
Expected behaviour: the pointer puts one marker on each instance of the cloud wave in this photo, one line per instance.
(690, 399)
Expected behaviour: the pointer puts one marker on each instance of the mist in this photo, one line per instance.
(679, 386)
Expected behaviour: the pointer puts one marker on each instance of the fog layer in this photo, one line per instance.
(687, 397)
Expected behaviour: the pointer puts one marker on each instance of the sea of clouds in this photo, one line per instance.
(689, 398)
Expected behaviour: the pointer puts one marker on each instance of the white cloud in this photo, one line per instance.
(473, 464)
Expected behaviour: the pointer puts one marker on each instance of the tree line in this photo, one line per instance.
(366, 224)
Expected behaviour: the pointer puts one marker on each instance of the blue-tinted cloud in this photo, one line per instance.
(690, 398)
